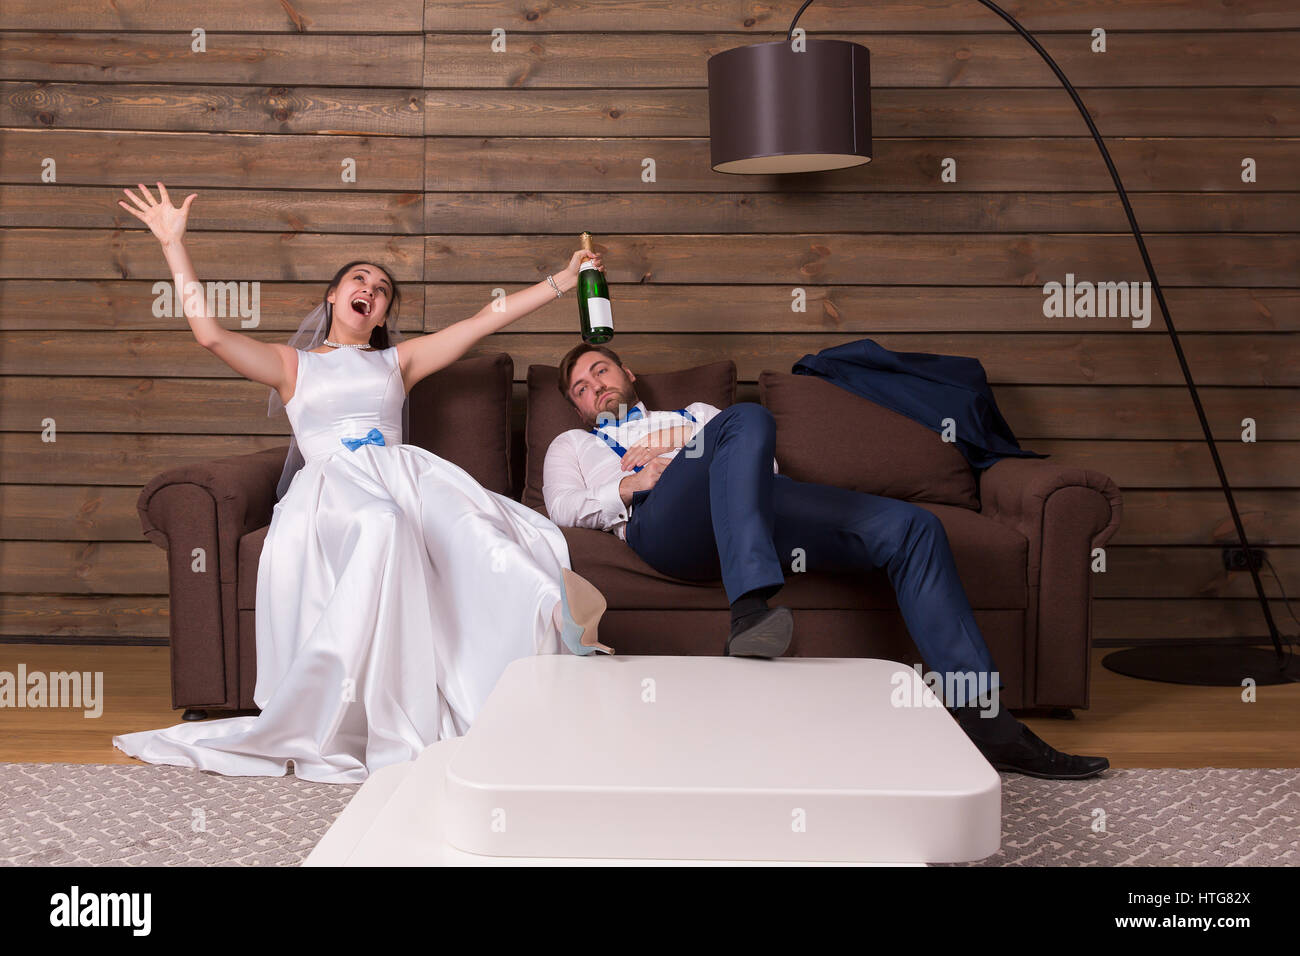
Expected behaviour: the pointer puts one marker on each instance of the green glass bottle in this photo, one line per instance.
(595, 316)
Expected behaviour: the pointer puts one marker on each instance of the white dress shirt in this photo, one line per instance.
(582, 473)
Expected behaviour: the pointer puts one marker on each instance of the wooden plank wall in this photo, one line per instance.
(478, 169)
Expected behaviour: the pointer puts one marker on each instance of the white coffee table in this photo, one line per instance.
(705, 760)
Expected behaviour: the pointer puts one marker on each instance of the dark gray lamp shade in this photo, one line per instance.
(772, 110)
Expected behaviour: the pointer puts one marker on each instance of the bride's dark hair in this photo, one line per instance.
(379, 334)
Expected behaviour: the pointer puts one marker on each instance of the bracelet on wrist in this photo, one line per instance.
(551, 280)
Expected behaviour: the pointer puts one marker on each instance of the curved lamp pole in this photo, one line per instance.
(828, 107)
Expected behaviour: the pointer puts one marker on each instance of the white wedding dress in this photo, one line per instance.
(392, 591)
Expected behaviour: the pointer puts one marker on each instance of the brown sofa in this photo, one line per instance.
(1021, 534)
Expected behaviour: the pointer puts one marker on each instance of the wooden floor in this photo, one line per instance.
(1134, 723)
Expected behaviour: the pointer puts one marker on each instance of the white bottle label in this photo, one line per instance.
(599, 314)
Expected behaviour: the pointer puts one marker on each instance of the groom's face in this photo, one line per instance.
(597, 385)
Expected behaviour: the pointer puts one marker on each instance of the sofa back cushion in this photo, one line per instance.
(549, 413)
(827, 434)
(462, 413)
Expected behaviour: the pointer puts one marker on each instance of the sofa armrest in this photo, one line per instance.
(1064, 512)
(198, 514)
(1015, 491)
(243, 487)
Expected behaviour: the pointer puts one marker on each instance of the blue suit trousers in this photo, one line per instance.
(718, 510)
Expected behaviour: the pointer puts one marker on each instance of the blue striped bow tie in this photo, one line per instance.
(609, 419)
(372, 437)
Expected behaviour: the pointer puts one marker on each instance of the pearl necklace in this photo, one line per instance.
(354, 345)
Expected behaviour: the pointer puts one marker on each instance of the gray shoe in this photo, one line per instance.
(765, 634)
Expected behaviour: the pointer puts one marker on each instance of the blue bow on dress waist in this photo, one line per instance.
(372, 437)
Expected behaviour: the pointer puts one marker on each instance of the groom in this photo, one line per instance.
(718, 507)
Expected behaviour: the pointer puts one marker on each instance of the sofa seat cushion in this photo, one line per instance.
(549, 413)
(882, 453)
(991, 560)
(250, 553)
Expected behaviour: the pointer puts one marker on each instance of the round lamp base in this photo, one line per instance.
(1206, 665)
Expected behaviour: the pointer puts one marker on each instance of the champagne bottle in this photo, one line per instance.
(595, 317)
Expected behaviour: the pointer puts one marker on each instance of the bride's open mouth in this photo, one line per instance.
(361, 306)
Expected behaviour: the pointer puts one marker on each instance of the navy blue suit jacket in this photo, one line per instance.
(927, 388)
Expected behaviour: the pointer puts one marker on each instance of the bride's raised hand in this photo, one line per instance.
(575, 260)
(163, 219)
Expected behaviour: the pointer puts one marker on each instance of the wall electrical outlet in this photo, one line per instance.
(1234, 559)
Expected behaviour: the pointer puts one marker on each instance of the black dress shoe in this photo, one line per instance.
(761, 634)
(1030, 755)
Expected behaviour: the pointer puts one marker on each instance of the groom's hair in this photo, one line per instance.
(572, 356)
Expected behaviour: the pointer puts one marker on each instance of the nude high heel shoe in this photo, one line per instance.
(583, 605)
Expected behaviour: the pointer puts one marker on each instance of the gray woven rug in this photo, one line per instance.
(124, 815)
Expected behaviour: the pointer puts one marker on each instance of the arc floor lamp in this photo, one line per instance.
(773, 109)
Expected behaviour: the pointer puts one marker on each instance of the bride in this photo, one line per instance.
(392, 588)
